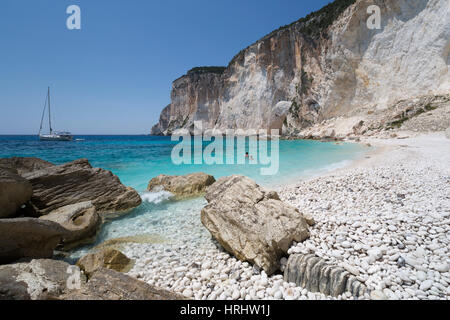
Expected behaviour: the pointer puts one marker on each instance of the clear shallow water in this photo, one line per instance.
(137, 159)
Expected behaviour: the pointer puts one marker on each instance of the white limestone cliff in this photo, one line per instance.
(317, 70)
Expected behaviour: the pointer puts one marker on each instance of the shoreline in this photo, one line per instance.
(369, 231)
(387, 220)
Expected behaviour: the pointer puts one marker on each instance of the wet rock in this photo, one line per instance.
(189, 185)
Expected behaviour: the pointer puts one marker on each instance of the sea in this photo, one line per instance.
(137, 159)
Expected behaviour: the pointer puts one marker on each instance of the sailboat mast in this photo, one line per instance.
(49, 117)
(43, 114)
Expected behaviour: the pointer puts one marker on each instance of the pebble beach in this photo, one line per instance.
(385, 219)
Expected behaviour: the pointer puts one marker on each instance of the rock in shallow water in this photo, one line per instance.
(251, 223)
(106, 258)
(186, 186)
(58, 186)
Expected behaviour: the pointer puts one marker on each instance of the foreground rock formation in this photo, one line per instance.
(57, 280)
(327, 66)
(189, 185)
(106, 284)
(315, 275)
(81, 220)
(40, 279)
(70, 199)
(58, 186)
(251, 223)
(28, 238)
(24, 165)
(15, 191)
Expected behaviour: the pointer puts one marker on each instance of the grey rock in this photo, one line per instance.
(315, 275)
(10, 289)
(107, 284)
(40, 279)
(401, 262)
(45, 279)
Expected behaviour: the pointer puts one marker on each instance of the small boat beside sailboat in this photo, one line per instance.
(52, 135)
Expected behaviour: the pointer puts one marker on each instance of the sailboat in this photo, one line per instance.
(53, 135)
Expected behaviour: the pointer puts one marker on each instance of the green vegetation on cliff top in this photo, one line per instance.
(206, 69)
(313, 25)
(316, 22)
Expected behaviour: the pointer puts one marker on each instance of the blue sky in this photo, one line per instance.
(114, 75)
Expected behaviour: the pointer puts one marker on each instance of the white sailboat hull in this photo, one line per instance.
(55, 137)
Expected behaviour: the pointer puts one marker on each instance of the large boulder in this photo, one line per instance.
(81, 220)
(24, 165)
(189, 185)
(15, 191)
(58, 186)
(108, 258)
(107, 284)
(252, 223)
(39, 279)
(28, 238)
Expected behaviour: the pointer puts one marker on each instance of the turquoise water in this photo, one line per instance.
(137, 159)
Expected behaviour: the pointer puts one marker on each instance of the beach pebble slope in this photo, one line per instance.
(388, 223)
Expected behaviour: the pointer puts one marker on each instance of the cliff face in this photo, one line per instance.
(328, 65)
